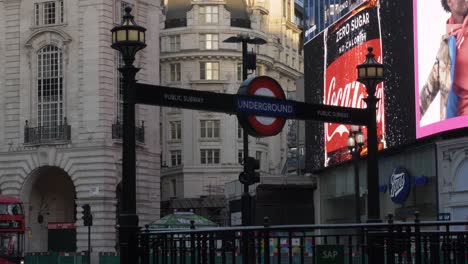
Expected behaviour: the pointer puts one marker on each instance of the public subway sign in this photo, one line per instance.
(346, 45)
(258, 93)
(399, 185)
(260, 105)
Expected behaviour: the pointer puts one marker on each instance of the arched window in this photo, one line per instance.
(461, 179)
(50, 90)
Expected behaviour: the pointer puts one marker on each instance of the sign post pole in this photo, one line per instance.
(246, 200)
(246, 203)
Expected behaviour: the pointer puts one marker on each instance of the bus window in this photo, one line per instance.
(8, 244)
(15, 209)
(11, 209)
(4, 209)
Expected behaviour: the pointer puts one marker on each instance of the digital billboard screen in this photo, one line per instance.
(441, 66)
(330, 60)
(346, 46)
(322, 13)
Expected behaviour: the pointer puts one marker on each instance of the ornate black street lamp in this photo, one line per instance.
(371, 73)
(355, 141)
(246, 199)
(128, 38)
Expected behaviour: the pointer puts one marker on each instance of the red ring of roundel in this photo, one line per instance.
(277, 125)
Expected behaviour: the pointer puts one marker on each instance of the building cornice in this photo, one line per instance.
(294, 27)
(262, 9)
(208, 2)
(198, 55)
(286, 70)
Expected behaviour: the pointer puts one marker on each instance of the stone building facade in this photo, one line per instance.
(60, 116)
(201, 151)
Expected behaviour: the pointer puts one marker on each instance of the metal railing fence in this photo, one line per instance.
(388, 242)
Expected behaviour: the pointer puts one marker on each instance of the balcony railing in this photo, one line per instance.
(242, 23)
(47, 134)
(117, 131)
(176, 22)
(407, 242)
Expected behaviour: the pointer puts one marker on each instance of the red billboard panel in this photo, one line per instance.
(346, 46)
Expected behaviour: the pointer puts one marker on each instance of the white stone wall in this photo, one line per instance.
(452, 170)
(92, 159)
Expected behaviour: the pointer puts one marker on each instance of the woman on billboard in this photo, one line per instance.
(449, 74)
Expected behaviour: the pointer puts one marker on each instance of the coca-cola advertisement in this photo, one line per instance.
(346, 46)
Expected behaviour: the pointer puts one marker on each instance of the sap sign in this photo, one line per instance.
(399, 185)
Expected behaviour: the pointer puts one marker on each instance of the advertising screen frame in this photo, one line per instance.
(318, 14)
(396, 20)
(429, 21)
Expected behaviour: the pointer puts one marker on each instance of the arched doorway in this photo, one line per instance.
(49, 197)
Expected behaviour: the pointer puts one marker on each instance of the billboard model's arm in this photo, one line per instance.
(430, 89)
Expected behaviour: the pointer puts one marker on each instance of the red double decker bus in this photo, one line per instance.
(12, 228)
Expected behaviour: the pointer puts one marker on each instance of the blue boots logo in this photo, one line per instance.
(399, 184)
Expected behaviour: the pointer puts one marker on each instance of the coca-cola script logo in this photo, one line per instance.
(342, 89)
(399, 184)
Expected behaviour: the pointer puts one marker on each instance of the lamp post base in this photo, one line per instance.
(128, 238)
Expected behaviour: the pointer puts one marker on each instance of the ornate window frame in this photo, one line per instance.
(35, 43)
(39, 13)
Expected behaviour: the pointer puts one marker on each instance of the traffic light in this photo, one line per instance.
(87, 217)
(251, 61)
(250, 175)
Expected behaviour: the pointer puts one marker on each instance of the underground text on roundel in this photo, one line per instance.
(265, 106)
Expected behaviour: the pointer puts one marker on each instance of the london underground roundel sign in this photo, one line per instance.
(261, 126)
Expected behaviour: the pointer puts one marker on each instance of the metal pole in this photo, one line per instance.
(246, 217)
(89, 244)
(376, 250)
(128, 219)
(355, 154)
(246, 199)
(373, 203)
(298, 160)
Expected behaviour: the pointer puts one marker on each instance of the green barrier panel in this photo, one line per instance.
(56, 258)
(66, 259)
(72, 258)
(108, 258)
(29, 259)
(51, 258)
(81, 258)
